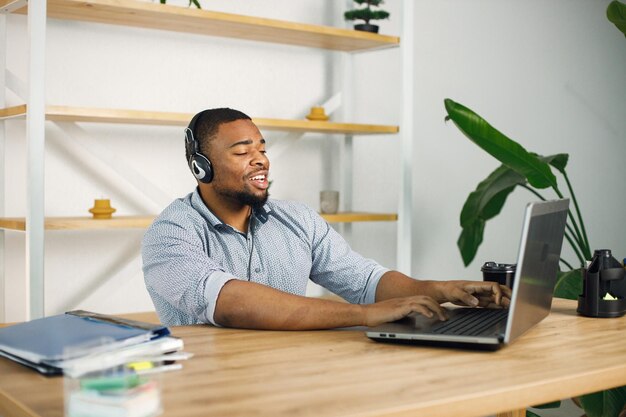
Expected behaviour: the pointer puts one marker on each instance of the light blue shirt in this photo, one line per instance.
(189, 254)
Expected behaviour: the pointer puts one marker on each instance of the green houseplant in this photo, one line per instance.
(533, 173)
(616, 13)
(519, 168)
(366, 14)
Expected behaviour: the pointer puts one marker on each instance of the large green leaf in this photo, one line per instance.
(487, 201)
(559, 161)
(607, 403)
(616, 13)
(507, 151)
(483, 204)
(569, 284)
(470, 239)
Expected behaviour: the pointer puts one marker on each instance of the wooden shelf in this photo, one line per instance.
(142, 222)
(189, 20)
(98, 115)
(80, 223)
(359, 217)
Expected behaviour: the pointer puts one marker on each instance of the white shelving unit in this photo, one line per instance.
(171, 18)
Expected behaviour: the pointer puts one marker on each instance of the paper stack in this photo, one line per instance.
(80, 341)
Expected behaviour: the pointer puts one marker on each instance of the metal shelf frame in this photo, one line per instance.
(37, 14)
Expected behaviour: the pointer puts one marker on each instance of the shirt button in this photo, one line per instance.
(257, 270)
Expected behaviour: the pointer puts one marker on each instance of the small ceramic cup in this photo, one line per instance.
(329, 201)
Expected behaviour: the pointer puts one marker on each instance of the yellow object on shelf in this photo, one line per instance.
(102, 209)
(317, 113)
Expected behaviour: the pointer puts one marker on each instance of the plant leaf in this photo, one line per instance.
(616, 13)
(470, 239)
(569, 284)
(607, 403)
(507, 151)
(559, 161)
(480, 202)
(483, 204)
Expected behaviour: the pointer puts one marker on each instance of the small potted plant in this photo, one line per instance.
(366, 14)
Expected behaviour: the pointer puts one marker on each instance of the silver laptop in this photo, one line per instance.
(484, 328)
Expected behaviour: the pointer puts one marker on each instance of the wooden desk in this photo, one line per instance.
(342, 373)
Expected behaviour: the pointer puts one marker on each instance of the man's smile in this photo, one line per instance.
(260, 181)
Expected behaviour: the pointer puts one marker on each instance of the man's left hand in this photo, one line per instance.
(474, 293)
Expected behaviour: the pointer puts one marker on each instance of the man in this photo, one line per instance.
(227, 255)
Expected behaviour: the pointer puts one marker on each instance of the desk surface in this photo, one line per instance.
(343, 373)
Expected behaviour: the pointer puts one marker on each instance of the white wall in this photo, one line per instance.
(549, 75)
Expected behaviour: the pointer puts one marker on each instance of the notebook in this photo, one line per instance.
(45, 344)
(535, 277)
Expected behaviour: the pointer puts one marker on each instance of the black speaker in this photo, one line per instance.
(199, 164)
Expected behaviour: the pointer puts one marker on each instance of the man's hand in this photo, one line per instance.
(397, 308)
(394, 284)
(474, 293)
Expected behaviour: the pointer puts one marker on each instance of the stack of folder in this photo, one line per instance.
(79, 341)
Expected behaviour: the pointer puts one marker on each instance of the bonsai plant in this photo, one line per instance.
(534, 173)
(366, 14)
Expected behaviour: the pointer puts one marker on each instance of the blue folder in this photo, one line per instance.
(44, 343)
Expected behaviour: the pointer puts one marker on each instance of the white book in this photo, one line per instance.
(152, 350)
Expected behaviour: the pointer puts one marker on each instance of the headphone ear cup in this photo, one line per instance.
(201, 168)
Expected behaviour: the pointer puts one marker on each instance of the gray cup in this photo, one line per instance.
(329, 201)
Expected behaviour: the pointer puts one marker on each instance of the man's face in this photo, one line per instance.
(240, 166)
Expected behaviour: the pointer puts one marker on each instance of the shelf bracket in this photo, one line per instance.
(12, 6)
(17, 85)
(124, 270)
(83, 143)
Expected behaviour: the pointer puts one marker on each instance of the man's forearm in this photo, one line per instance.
(249, 305)
(395, 284)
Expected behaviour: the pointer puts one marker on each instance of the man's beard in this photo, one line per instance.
(245, 197)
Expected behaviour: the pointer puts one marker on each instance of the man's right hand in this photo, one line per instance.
(397, 308)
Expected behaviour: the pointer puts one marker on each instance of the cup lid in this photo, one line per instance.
(496, 267)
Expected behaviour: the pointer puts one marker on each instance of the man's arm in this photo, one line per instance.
(249, 305)
(470, 293)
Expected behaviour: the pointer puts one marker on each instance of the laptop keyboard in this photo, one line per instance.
(474, 322)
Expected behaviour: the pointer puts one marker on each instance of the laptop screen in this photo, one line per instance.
(538, 264)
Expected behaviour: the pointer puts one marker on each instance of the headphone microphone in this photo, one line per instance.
(199, 164)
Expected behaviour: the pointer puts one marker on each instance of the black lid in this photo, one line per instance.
(496, 267)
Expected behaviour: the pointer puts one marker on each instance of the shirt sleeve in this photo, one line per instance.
(179, 271)
(338, 268)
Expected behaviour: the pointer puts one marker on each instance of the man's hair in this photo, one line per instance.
(207, 125)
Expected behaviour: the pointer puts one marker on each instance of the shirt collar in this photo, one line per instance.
(198, 204)
(261, 214)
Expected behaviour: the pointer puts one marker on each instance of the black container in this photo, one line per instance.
(366, 27)
(604, 275)
(501, 273)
